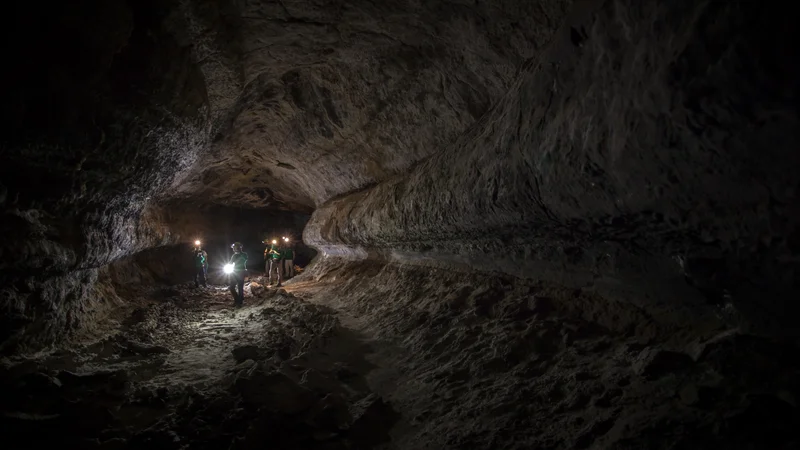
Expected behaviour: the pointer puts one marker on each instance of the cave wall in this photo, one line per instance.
(649, 154)
(102, 109)
(47, 299)
(640, 151)
(117, 108)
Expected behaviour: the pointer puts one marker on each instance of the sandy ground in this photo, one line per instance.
(381, 356)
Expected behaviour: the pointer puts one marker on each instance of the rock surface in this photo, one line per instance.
(642, 158)
(541, 224)
(623, 380)
(113, 395)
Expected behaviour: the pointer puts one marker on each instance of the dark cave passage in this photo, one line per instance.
(550, 224)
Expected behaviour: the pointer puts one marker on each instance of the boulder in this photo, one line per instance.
(331, 413)
(247, 364)
(274, 391)
(318, 382)
(257, 289)
(374, 419)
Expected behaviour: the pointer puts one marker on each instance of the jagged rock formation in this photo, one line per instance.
(633, 160)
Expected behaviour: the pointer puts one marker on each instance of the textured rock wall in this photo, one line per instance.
(315, 99)
(645, 149)
(651, 148)
(101, 110)
(113, 108)
(50, 291)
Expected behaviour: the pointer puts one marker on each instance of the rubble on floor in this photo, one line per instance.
(187, 368)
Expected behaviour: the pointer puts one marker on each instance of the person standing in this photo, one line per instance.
(200, 264)
(274, 264)
(239, 262)
(288, 259)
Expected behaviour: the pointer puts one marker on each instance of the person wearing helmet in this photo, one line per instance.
(273, 261)
(288, 259)
(239, 262)
(200, 266)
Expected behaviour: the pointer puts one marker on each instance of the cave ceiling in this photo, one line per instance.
(308, 100)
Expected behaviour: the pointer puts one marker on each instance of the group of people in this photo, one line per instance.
(279, 257)
(279, 261)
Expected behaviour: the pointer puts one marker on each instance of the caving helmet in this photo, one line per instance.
(236, 246)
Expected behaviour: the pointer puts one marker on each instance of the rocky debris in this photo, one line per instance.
(244, 365)
(258, 400)
(318, 382)
(274, 391)
(580, 372)
(331, 413)
(256, 289)
(528, 372)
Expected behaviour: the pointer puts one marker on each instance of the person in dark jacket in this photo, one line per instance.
(288, 259)
(236, 270)
(200, 266)
(274, 262)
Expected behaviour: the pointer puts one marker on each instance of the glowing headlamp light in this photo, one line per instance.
(197, 242)
(228, 268)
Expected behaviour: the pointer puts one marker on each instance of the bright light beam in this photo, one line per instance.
(228, 268)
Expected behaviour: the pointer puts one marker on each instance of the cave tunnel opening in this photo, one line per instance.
(517, 224)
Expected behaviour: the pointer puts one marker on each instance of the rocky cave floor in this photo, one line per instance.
(454, 362)
(186, 368)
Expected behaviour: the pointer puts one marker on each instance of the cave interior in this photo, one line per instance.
(517, 224)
